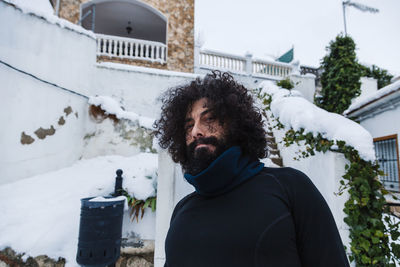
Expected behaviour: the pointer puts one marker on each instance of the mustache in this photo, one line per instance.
(203, 140)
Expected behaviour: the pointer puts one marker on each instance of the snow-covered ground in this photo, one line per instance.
(40, 215)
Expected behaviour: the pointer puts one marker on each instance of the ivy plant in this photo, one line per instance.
(340, 79)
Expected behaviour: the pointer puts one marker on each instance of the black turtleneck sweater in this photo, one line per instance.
(276, 218)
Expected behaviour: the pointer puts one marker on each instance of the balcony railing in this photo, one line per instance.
(136, 49)
(243, 65)
(222, 61)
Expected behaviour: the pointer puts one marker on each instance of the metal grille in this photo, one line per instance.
(386, 153)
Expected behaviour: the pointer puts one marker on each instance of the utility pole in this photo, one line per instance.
(358, 6)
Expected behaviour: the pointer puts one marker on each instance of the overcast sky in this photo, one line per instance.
(270, 28)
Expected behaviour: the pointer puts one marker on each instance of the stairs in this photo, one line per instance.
(273, 151)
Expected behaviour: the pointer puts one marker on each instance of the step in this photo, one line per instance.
(277, 161)
(272, 146)
(274, 152)
(271, 139)
(270, 134)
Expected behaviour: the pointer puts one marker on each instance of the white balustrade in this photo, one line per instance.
(211, 59)
(222, 61)
(271, 68)
(121, 47)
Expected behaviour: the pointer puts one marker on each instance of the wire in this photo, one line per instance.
(39, 79)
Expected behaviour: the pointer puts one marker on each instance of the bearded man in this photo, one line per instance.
(241, 213)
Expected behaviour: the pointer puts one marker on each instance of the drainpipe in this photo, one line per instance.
(58, 7)
(93, 17)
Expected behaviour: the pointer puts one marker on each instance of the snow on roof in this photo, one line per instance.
(44, 10)
(296, 112)
(111, 106)
(40, 215)
(381, 93)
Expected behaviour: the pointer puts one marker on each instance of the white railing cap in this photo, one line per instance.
(221, 54)
(131, 40)
(264, 61)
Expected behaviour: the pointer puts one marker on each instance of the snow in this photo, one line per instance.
(109, 199)
(42, 6)
(296, 112)
(40, 215)
(378, 94)
(111, 106)
(43, 9)
(118, 66)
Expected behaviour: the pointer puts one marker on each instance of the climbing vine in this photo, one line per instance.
(366, 209)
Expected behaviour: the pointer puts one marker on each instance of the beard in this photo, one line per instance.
(200, 158)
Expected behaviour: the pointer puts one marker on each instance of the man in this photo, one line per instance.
(241, 214)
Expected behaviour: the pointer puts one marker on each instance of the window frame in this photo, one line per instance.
(387, 137)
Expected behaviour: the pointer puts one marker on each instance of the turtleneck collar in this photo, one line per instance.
(227, 171)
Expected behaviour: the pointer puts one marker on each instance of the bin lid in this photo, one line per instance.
(96, 202)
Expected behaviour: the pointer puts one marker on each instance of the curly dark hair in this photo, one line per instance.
(231, 103)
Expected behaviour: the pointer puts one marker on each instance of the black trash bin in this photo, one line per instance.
(100, 232)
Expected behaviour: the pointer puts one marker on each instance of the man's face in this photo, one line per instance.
(205, 136)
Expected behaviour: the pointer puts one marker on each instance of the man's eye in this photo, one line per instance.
(188, 127)
(210, 119)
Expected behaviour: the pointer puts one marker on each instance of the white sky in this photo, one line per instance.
(265, 28)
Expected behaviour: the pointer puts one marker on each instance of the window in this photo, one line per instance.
(387, 154)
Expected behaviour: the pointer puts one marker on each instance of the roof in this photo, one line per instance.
(385, 98)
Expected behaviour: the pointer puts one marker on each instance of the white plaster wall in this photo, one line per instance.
(26, 105)
(368, 87)
(138, 88)
(325, 171)
(304, 84)
(46, 50)
(144, 229)
(383, 124)
(54, 54)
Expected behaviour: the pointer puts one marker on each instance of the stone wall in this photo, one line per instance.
(133, 257)
(180, 16)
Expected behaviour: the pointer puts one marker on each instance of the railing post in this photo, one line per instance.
(249, 64)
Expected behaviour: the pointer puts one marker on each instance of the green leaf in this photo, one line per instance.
(153, 204)
(147, 203)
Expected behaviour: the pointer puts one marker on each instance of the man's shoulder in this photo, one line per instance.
(183, 201)
(285, 176)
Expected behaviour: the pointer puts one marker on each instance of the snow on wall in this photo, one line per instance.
(297, 113)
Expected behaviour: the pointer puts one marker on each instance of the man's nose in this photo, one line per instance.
(197, 131)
